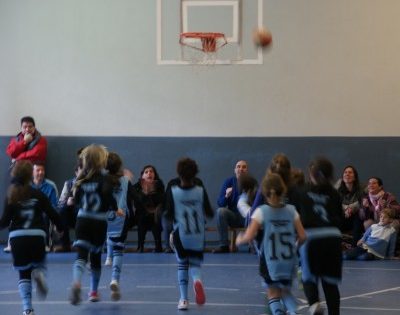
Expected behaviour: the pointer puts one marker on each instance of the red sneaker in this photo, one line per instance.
(199, 292)
(94, 296)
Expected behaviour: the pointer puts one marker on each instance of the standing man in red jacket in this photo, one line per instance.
(29, 144)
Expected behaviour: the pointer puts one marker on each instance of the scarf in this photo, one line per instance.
(375, 199)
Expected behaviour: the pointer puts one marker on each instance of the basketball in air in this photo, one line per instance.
(262, 37)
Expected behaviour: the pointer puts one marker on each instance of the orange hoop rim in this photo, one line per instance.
(202, 35)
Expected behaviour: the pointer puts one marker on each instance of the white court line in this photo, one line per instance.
(203, 265)
(133, 303)
(214, 265)
(155, 286)
(158, 265)
(373, 269)
(222, 289)
(369, 308)
(174, 287)
(362, 295)
(369, 293)
(9, 292)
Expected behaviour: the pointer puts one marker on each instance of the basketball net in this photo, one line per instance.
(201, 48)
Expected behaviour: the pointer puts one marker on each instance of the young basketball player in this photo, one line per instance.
(282, 226)
(187, 204)
(23, 214)
(320, 209)
(117, 229)
(93, 195)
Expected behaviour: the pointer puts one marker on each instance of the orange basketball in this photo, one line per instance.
(262, 37)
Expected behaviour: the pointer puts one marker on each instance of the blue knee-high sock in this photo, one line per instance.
(78, 269)
(109, 250)
(183, 277)
(195, 270)
(276, 306)
(117, 264)
(95, 279)
(25, 291)
(290, 302)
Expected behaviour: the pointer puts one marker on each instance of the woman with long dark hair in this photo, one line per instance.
(149, 197)
(350, 192)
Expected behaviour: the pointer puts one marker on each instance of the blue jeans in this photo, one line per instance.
(227, 218)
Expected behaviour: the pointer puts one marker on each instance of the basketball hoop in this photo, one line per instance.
(201, 48)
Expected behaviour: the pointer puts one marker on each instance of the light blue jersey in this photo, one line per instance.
(115, 224)
(279, 244)
(189, 216)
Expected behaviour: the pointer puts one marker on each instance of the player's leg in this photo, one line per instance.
(195, 272)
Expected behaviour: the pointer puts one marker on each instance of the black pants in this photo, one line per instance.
(152, 222)
(68, 217)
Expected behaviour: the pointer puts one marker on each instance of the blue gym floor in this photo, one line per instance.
(232, 284)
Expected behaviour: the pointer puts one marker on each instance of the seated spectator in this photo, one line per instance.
(350, 192)
(47, 187)
(248, 185)
(29, 144)
(227, 213)
(148, 199)
(379, 240)
(375, 200)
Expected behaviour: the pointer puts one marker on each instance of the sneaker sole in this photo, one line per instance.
(115, 292)
(199, 293)
(183, 307)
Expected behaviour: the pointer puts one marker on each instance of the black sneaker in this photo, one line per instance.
(221, 250)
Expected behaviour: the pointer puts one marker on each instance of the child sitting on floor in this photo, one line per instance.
(378, 241)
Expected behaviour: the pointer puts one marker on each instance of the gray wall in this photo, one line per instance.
(217, 156)
(88, 68)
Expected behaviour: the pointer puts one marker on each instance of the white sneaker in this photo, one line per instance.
(183, 305)
(47, 249)
(115, 291)
(41, 285)
(7, 250)
(108, 261)
(316, 309)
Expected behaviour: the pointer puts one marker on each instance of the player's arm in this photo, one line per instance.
(301, 233)
(48, 209)
(169, 204)
(208, 210)
(38, 152)
(6, 217)
(249, 234)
